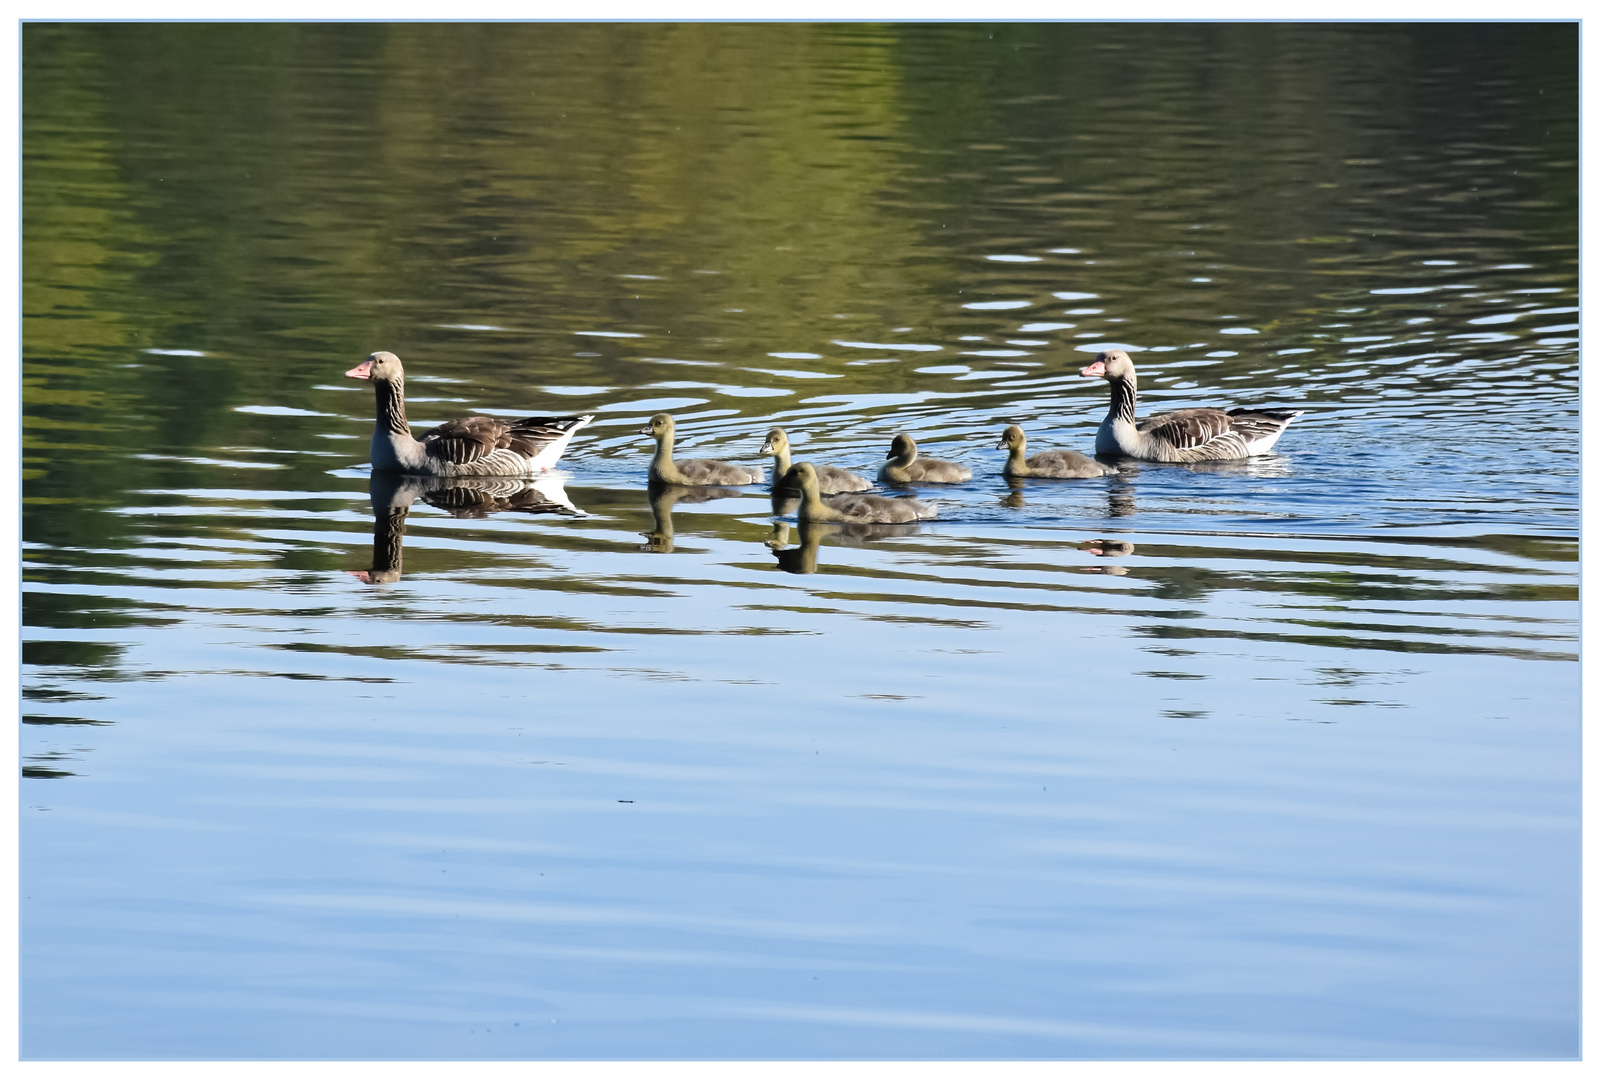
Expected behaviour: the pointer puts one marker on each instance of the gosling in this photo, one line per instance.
(830, 480)
(905, 467)
(851, 508)
(1057, 464)
(692, 472)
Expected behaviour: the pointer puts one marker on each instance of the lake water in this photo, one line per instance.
(1265, 760)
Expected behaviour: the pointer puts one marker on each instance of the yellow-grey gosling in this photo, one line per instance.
(830, 479)
(692, 471)
(1057, 464)
(905, 467)
(851, 508)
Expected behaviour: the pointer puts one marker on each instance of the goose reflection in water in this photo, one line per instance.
(463, 497)
(663, 497)
(803, 559)
(1108, 549)
(1267, 467)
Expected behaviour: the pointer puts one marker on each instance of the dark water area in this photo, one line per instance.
(1271, 759)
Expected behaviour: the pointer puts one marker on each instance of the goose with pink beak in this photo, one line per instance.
(1184, 435)
(469, 446)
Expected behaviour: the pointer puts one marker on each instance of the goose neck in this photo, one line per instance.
(1125, 395)
(392, 406)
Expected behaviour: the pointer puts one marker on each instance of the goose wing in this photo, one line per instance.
(473, 438)
(1188, 429)
(1257, 424)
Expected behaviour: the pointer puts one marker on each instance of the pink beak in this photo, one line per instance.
(362, 370)
(1094, 371)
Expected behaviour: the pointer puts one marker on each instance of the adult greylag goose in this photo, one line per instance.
(831, 480)
(853, 507)
(470, 446)
(692, 471)
(1056, 464)
(1184, 435)
(905, 467)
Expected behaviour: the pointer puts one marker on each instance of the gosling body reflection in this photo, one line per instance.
(802, 559)
(852, 508)
(663, 497)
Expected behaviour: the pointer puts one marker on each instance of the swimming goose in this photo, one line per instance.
(830, 480)
(861, 509)
(692, 471)
(1184, 435)
(905, 467)
(470, 446)
(1057, 464)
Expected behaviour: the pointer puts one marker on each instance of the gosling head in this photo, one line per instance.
(902, 446)
(801, 475)
(1011, 437)
(777, 442)
(379, 367)
(1111, 364)
(659, 426)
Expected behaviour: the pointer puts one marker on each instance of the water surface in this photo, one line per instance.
(1262, 760)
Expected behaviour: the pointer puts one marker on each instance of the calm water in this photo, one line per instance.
(1266, 760)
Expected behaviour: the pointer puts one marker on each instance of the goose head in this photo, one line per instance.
(379, 367)
(1012, 437)
(902, 447)
(777, 442)
(659, 427)
(1111, 364)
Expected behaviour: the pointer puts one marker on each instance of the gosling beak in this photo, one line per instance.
(1002, 444)
(767, 446)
